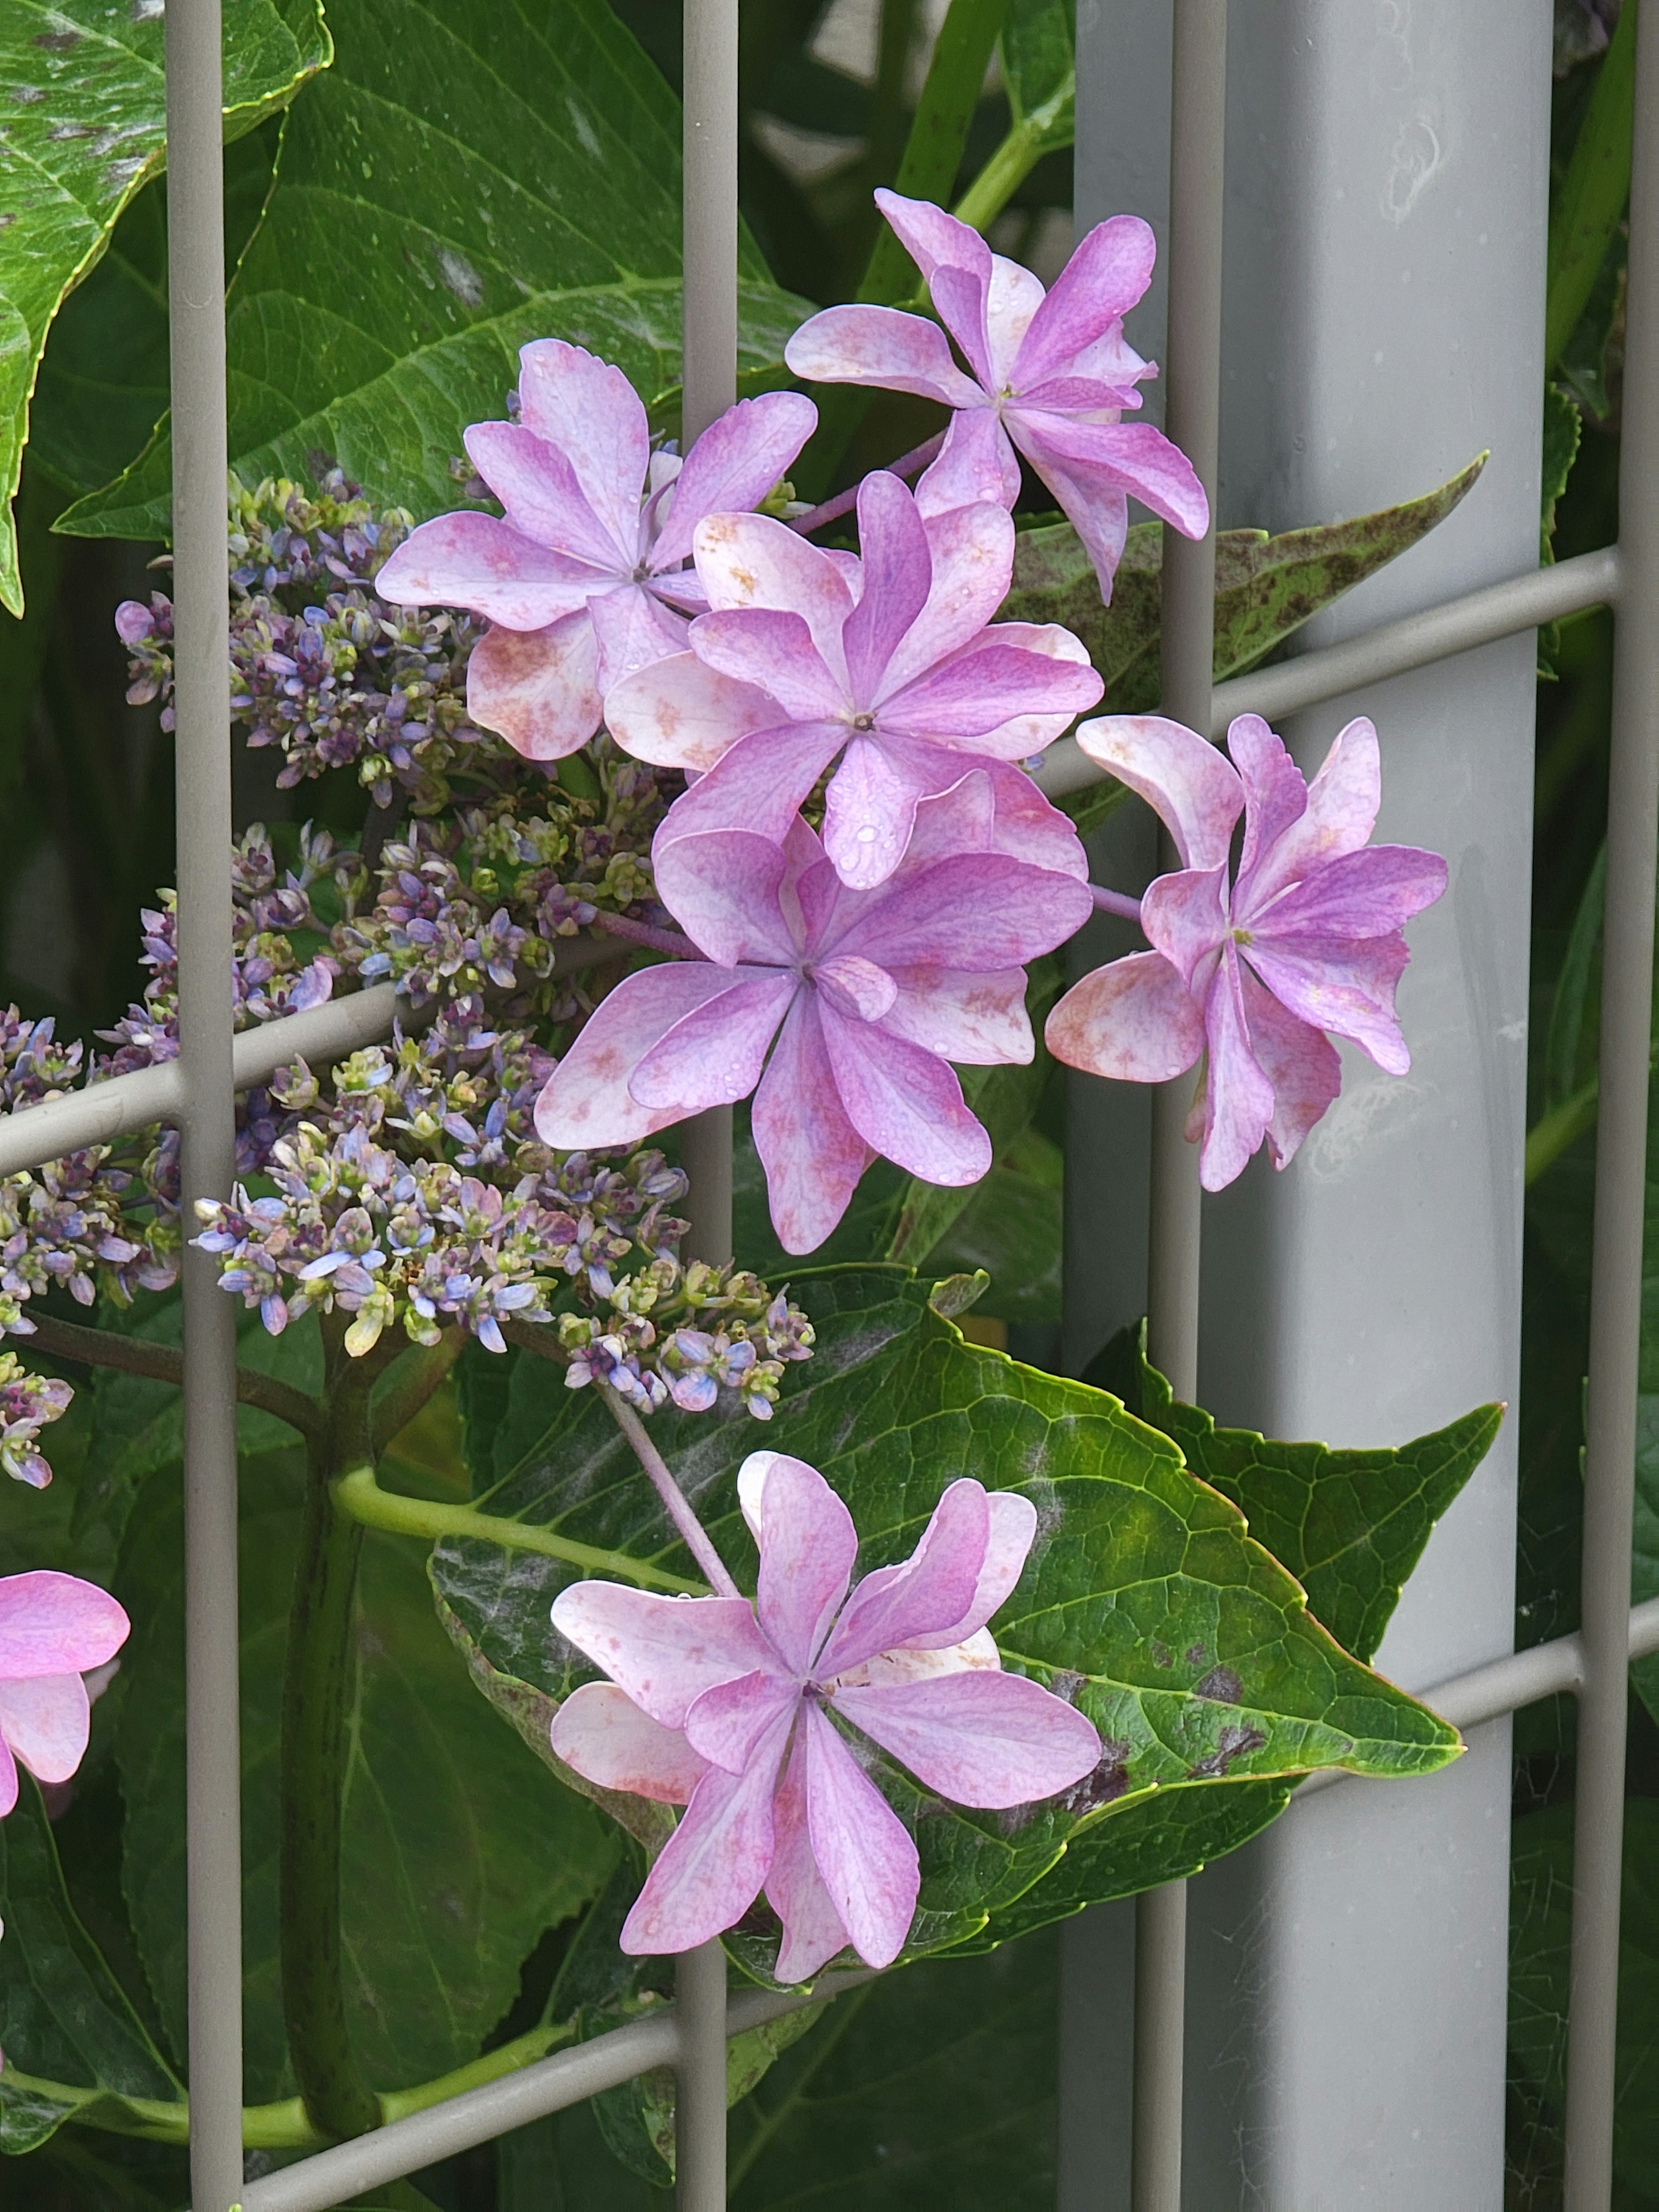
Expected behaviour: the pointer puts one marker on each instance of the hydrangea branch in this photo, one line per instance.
(164, 1363)
(676, 1504)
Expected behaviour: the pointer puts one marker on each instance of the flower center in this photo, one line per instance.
(864, 721)
(1244, 936)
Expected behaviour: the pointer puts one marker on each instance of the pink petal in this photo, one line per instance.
(1193, 791)
(1013, 1525)
(680, 713)
(932, 238)
(544, 497)
(1301, 1064)
(774, 653)
(970, 550)
(587, 1101)
(1022, 824)
(476, 560)
(1014, 299)
(664, 1651)
(634, 630)
(977, 1021)
(988, 684)
(976, 464)
(898, 578)
(932, 1590)
(807, 1547)
(1344, 984)
(752, 560)
(713, 1056)
(538, 688)
(812, 1933)
(711, 1869)
(592, 413)
(8, 1780)
(760, 783)
(904, 1103)
(722, 886)
(603, 1735)
(1106, 275)
(734, 465)
(1026, 733)
(1185, 917)
(856, 986)
(726, 1723)
(959, 296)
(1096, 509)
(880, 345)
(1133, 1020)
(861, 1848)
(1238, 1103)
(1364, 894)
(981, 906)
(45, 1721)
(922, 1661)
(979, 1738)
(1134, 458)
(56, 1624)
(812, 1155)
(867, 813)
(1275, 791)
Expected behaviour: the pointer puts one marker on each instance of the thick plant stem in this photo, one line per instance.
(137, 1355)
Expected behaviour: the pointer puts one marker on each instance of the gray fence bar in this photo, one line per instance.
(1621, 1180)
(206, 1091)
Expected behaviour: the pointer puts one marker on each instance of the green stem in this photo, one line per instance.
(1593, 193)
(1015, 159)
(417, 1377)
(359, 1495)
(1563, 1126)
(164, 1363)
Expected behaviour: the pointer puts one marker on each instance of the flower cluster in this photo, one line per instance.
(84, 1222)
(27, 1404)
(324, 665)
(33, 1066)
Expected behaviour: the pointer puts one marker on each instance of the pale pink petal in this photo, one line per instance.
(1106, 275)
(867, 813)
(603, 1735)
(897, 579)
(753, 560)
(1343, 800)
(1087, 396)
(959, 300)
(971, 552)
(1133, 1020)
(722, 887)
(976, 464)
(1275, 794)
(807, 1547)
(1344, 984)
(538, 688)
(979, 1738)
(56, 1624)
(760, 783)
(977, 1021)
(587, 1101)
(1300, 1062)
(592, 413)
(1133, 458)
(1112, 360)
(544, 497)
(880, 345)
(921, 1662)
(1013, 1525)
(935, 1589)
(856, 986)
(711, 1869)
(861, 1847)
(477, 561)
(1185, 917)
(774, 652)
(726, 1723)
(713, 1056)
(1025, 734)
(904, 1103)
(960, 818)
(664, 1651)
(1023, 826)
(987, 683)
(734, 465)
(1195, 792)
(8, 1780)
(812, 1155)
(978, 905)
(1362, 894)
(1238, 1103)
(932, 238)
(680, 713)
(812, 1933)
(1013, 301)
(46, 1721)
(634, 628)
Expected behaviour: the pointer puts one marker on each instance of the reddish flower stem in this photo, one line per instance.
(641, 932)
(908, 464)
(1115, 902)
(673, 1498)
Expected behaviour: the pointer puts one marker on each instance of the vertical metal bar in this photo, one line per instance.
(710, 373)
(201, 663)
(1621, 1171)
(1197, 111)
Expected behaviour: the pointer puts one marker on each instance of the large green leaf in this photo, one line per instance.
(463, 180)
(71, 2040)
(85, 128)
(458, 1851)
(1145, 1601)
(1349, 1525)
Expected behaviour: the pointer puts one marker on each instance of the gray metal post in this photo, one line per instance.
(710, 209)
(1621, 1175)
(202, 666)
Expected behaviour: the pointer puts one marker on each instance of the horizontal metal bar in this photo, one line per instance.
(1541, 595)
(330, 2176)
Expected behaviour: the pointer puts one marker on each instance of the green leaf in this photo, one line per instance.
(462, 181)
(1349, 1525)
(1014, 1227)
(86, 128)
(1593, 193)
(1575, 1009)
(1266, 587)
(458, 1852)
(73, 2043)
(1039, 59)
(1146, 1603)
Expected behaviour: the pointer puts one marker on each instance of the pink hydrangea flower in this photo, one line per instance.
(586, 577)
(1050, 375)
(861, 999)
(1252, 972)
(53, 1629)
(890, 663)
(725, 1708)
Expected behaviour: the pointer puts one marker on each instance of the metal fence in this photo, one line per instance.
(197, 1090)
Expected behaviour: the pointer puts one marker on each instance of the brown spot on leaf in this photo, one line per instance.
(1235, 1741)
(57, 42)
(1221, 1686)
(1102, 1785)
(1161, 1656)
